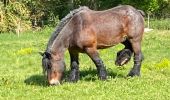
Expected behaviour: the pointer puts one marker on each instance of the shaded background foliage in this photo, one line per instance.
(19, 15)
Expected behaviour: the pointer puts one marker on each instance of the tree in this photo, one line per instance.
(148, 6)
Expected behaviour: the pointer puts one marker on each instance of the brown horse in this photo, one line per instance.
(86, 31)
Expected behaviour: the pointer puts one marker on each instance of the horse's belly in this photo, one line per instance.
(107, 42)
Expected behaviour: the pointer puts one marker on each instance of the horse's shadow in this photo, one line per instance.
(85, 75)
(39, 80)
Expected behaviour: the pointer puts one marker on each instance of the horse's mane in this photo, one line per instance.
(62, 23)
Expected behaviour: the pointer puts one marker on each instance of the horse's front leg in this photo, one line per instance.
(93, 54)
(74, 64)
(138, 57)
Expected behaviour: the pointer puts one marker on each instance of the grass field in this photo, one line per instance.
(21, 74)
(160, 24)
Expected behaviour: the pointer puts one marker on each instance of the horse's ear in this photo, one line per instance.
(41, 53)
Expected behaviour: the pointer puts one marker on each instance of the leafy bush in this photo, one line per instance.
(20, 15)
(14, 17)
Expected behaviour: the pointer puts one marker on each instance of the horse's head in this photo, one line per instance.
(123, 57)
(52, 69)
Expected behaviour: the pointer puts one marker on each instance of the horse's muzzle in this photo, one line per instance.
(54, 82)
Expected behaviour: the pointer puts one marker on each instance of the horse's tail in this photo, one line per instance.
(62, 23)
(141, 12)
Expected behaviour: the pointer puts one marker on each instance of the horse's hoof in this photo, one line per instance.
(103, 78)
(72, 80)
(122, 62)
(73, 77)
(123, 57)
(103, 74)
(133, 73)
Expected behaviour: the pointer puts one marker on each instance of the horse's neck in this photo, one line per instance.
(61, 43)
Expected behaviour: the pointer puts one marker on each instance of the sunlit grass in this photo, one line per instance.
(161, 24)
(21, 74)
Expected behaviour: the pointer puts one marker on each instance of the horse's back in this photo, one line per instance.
(128, 18)
(107, 28)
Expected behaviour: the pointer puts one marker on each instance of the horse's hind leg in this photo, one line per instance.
(124, 55)
(127, 45)
(138, 57)
(74, 64)
(93, 54)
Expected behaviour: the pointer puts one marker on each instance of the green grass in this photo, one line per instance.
(21, 74)
(161, 24)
